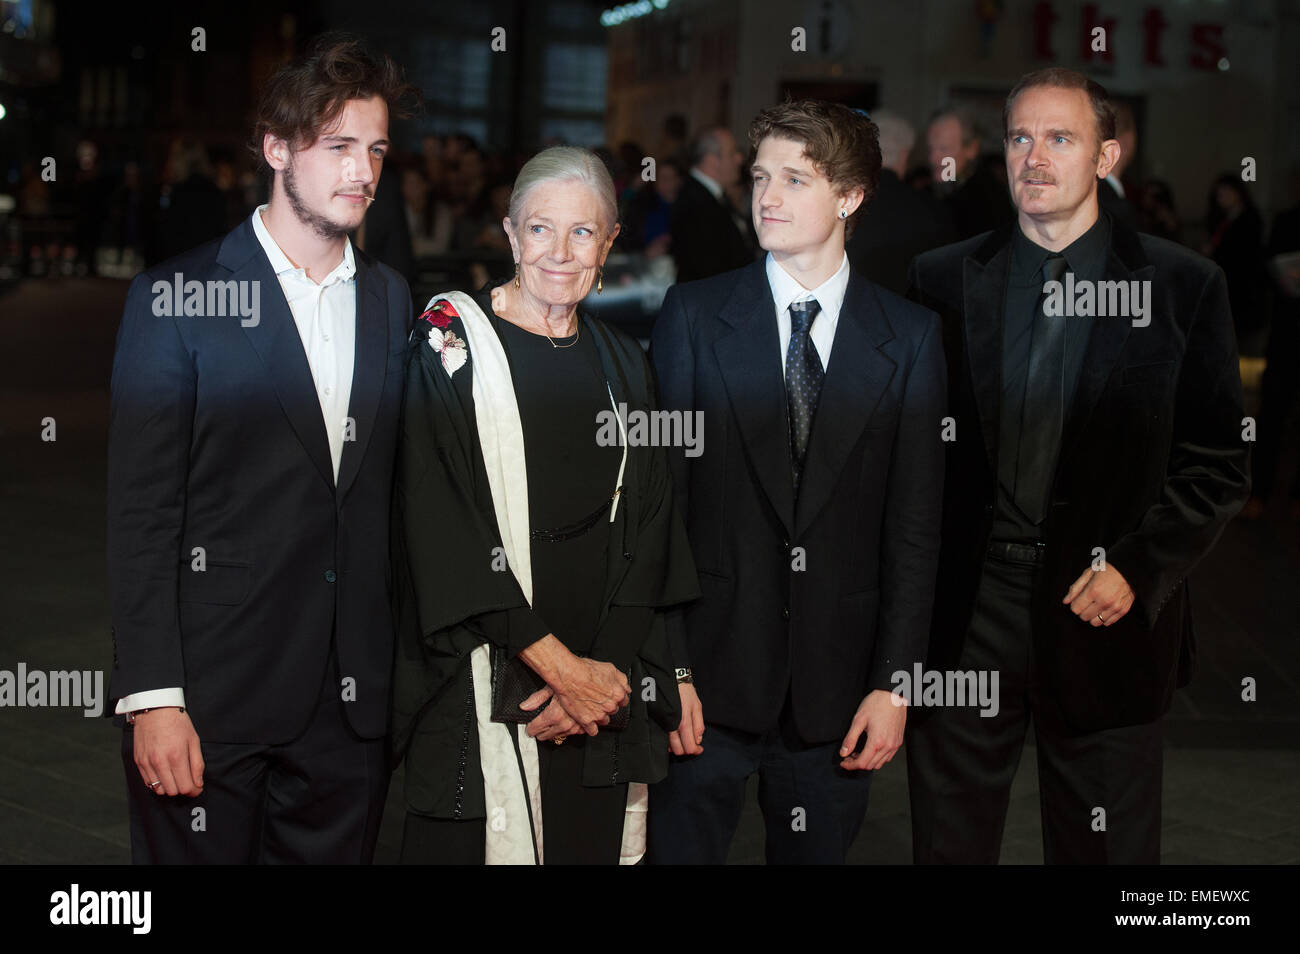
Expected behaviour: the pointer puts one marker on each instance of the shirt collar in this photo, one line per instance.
(1085, 256)
(715, 189)
(280, 263)
(829, 294)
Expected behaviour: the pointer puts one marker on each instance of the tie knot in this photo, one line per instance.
(1054, 267)
(802, 314)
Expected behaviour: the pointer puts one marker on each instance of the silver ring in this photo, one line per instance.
(1099, 617)
(154, 784)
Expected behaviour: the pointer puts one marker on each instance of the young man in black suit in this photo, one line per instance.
(812, 508)
(1096, 460)
(255, 396)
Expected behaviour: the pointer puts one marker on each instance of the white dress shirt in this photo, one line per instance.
(829, 294)
(326, 317)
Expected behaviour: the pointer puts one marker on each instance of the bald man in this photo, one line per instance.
(901, 222)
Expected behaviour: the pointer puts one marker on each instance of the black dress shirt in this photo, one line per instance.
(1086, 258)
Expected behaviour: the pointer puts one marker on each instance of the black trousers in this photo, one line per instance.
(315, 800)
(581, 825)
(1099, 793)
(812, 808)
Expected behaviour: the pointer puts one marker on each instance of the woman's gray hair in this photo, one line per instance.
(565, 164)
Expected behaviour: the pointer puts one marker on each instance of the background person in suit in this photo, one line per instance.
(976, 199)
(1113, 191)
(812, 512)
(1072, 434)
(708, 235)
(249, 472)
(901, 222)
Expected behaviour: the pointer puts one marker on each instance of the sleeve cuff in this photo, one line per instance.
(150, 699)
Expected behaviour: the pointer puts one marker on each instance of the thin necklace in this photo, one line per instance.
(576, 336)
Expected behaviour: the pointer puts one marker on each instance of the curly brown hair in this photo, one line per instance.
(307, 94)
(841, 142)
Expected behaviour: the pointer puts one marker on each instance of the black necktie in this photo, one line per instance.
(803, 381)
(1043, 416)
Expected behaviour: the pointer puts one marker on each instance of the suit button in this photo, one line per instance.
(330, 576)
(785, 544)
(988, 508)
(785, 613)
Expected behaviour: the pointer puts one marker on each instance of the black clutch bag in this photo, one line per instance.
(513, 681)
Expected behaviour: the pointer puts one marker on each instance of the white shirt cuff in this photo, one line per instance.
(150, 699)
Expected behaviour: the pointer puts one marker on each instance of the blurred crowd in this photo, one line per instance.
(684, 212)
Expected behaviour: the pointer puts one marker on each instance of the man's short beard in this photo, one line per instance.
(323, 227)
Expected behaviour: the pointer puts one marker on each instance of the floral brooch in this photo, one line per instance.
(449, 346)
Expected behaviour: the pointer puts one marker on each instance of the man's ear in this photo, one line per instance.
(851, 199)
(1110, 153)
(276, 152)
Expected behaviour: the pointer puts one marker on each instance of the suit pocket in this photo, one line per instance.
(1146, 373)
(225, 584)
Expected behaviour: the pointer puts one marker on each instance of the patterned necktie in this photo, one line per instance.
(803, 381)
(1042, 418)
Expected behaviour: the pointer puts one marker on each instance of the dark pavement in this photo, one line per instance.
(1232, 768)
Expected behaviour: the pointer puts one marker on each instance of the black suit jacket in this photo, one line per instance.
(981, 202)
(899, 224)
(705, 238)
(866, 522)
(1120, 209)
(1152, 466)
(216, 440)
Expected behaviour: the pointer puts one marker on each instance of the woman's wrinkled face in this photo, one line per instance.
(560, 242)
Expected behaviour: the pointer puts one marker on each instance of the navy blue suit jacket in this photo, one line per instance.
(216, 440)
(829, 595)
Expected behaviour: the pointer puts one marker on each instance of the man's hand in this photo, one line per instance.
(554, 722)
(883, 720)
(1101, 597)
(686, 738)
(166, 750)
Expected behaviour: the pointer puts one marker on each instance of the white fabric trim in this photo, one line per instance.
(509, 800)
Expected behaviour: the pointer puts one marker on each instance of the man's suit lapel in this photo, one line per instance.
(857, 376)
(368, 368)
(750, 363)
(984, 286)
(275, 339)
(1107, 337)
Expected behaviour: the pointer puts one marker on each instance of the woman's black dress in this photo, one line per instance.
(560, 390)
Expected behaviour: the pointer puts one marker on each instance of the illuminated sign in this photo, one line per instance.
(630, 11)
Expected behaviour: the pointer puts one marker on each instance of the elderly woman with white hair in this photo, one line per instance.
(536, 549)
